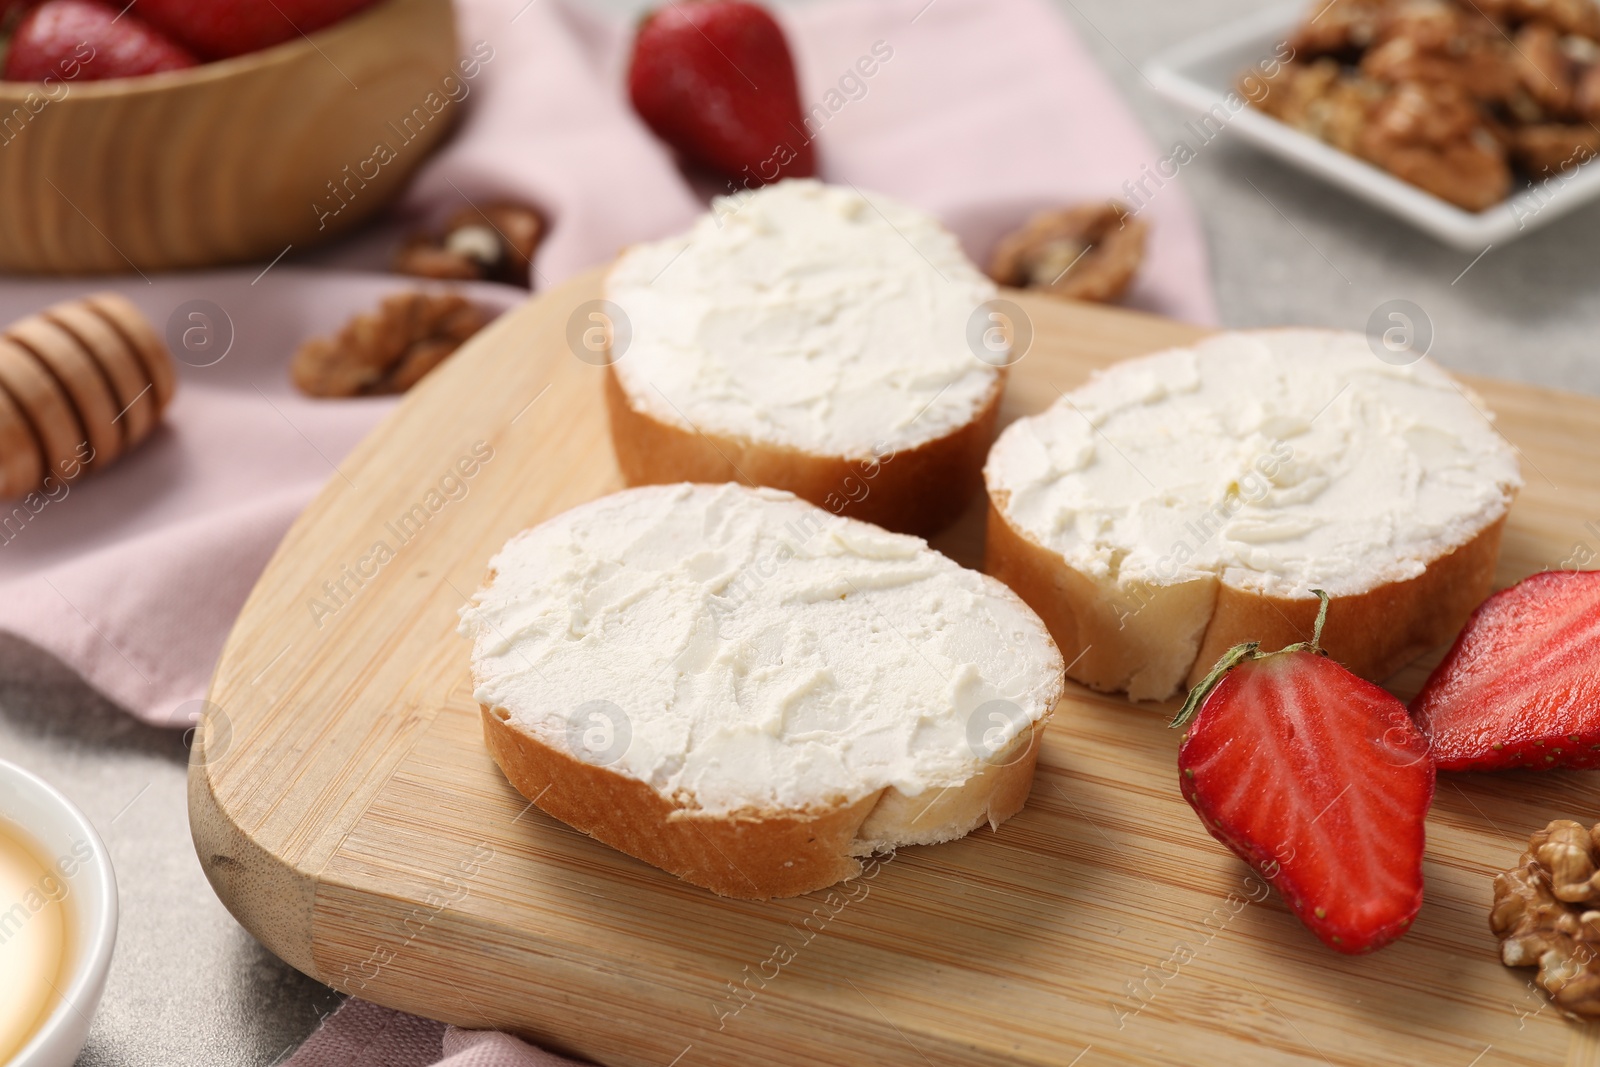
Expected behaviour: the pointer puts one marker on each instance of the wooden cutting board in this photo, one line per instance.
(346, 811)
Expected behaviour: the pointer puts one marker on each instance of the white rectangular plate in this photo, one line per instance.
(1200, 75)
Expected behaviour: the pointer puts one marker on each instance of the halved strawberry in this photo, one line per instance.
(1317, 779)
(1521, 686)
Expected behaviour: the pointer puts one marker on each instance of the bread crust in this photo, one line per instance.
(754, 855)
(1374, 633)
(917, 490)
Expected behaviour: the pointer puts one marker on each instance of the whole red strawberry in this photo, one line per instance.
(217, 29)
(1521, 685)
(1317, 779)
(715, 80)
(84, 40)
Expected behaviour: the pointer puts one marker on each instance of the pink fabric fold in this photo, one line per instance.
(980, 111)
(359, 1034)
(133, 576)
(364, 1035)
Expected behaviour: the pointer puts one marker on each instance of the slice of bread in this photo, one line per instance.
(753, 694)
(1184, 502)
(813, 339)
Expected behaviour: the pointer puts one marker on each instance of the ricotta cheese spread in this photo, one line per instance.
(1277, 461)
(809, 316)
(741, 649)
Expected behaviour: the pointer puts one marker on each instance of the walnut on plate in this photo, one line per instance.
(1340, 27)
(1323, 100)
(1085, 252)
(1447, 94)
(1433, 41)
(1432, 134)
(1436, 138)
(492, 242)
(1544, 70)
(1545, 917)
(1552, 147)
(387, 350)
(1579, 17)
(1586, 98)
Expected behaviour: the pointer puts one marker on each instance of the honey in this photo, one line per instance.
(35, 934)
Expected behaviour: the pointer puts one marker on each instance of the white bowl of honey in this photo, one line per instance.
(58, 923)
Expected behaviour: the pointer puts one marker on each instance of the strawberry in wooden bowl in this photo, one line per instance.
(89, 40)
(145, 142)
(217, 29)
(150, 36)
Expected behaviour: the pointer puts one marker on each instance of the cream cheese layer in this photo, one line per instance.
(1278, 461)
(808, 316)
(740, 649)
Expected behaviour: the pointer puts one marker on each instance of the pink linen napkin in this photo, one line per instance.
(364, 1035)
(134, 575)
(980, 111)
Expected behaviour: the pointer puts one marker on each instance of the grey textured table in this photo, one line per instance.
(189, 986)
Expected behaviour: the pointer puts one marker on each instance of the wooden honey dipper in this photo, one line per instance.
(81, 383)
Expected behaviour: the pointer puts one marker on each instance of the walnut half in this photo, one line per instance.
(1544, 915)
(387, 350)
(490, 242)
(1086, 252)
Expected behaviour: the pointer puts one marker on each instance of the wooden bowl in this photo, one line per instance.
(229, 161)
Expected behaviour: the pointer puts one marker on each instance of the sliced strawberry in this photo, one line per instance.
(715, 80)
(86, 40)
(1317, 779)
(1521, 686)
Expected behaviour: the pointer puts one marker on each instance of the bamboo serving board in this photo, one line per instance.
(347, 812)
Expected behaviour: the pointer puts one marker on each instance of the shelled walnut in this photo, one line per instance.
(1550, 148)
(1435, 41)
(1433, 137)
(493, 242)
(1448, 95)
(1431, 134)
(1544, 917)
(1340, 28)
(1085, 252)
(1323, 100)
(1587, 99)
(1579, 17)
(388, 350)
(1544, 70)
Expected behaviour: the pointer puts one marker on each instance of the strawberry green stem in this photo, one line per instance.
(1322, 619)
(1314, 646)
(1197, 696)
(1249, 650)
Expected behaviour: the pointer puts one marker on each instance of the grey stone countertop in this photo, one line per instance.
(190, 987)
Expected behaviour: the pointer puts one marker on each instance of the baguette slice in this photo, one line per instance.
(1185, 502)
(813, 339)
(753, 694)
